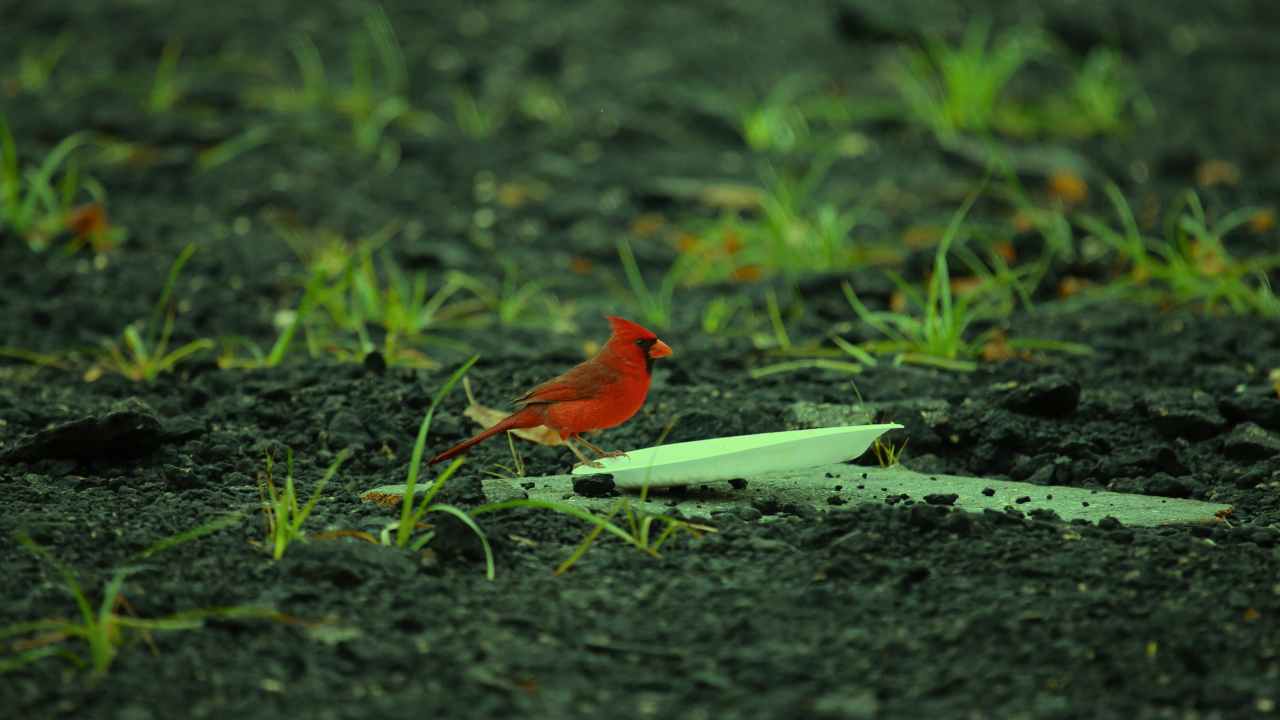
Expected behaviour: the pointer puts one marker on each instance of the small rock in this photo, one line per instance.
(1250, 442)
(375, 363)
(129, 430)
(1177, 413)
(600, 485)
(1253, 477)
(1051, 395)
(941, 498)
(1043, 475)
(738, 484)
(1166, 485)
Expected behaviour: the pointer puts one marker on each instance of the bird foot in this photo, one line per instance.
(589, 463)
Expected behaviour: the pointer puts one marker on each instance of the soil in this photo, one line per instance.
(898, 610)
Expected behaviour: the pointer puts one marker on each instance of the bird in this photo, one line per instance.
(601, 392)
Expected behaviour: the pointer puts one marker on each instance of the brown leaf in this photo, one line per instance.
(1262, 221)
(1068, 188)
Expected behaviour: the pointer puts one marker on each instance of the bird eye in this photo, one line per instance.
(646, 343)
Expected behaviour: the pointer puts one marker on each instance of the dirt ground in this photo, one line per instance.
(904, 609)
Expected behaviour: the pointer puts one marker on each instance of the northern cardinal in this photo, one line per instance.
(599, 393)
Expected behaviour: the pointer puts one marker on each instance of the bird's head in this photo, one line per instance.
(628, 338)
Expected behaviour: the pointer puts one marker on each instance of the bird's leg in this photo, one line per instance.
(600, 451)
(590, 463)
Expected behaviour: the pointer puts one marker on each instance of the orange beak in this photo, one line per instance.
(659, 349)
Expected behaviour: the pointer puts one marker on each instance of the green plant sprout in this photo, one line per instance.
(412, 510)
(292, 321)
(284, 515)
(778, 123)
(375, 99)
(888, 454)
(401, 305)
(1102, 97)
(102, 629)
(143, 359)
(640, 529)
(958, 89)
(1191, 264)
(655, 304)
(36, 66)
(232, 148)
(792, 232)
(802, 235)
(166, 89)
(514, 303)
(807, 356)
(32, 206)
(939, 336)
(478, 116)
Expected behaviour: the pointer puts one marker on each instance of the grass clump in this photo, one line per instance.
(105, 628)
(1190, 264)
(953, 89)
(965, 88)
(374, 99)
(414, 509)
(646, 532)
(39, 204)
(143, 353)
(940, 332)
(284, 515)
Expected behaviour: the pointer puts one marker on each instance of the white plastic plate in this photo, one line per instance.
(740, 456)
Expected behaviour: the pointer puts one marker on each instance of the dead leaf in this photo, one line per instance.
(1006, 251)
(380, 498)
(1072, 285)
(647, 224)
(921, 236)
(1262, 221)
(997, 349)
(1067, 188)
(1217, 172)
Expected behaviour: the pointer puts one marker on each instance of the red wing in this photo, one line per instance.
(581, 382)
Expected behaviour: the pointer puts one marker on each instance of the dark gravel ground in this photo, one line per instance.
(903, 611)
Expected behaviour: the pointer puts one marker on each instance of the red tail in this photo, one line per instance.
(525, 418)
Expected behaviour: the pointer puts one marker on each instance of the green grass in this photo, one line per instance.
(1190, 264)
(284, 515)
(654, 304)
(964, 88)
(414, 509)
(36, 65)
(372, 101)
(791, 233)
(646, 532)
(940, 331)
(953, 89)
(142, 354)
(166, 86)
(34, 202)
(102, 629)
(294, 320)
(516, 303)
(376, 291)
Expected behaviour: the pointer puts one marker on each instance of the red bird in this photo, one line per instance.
(599, 393)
